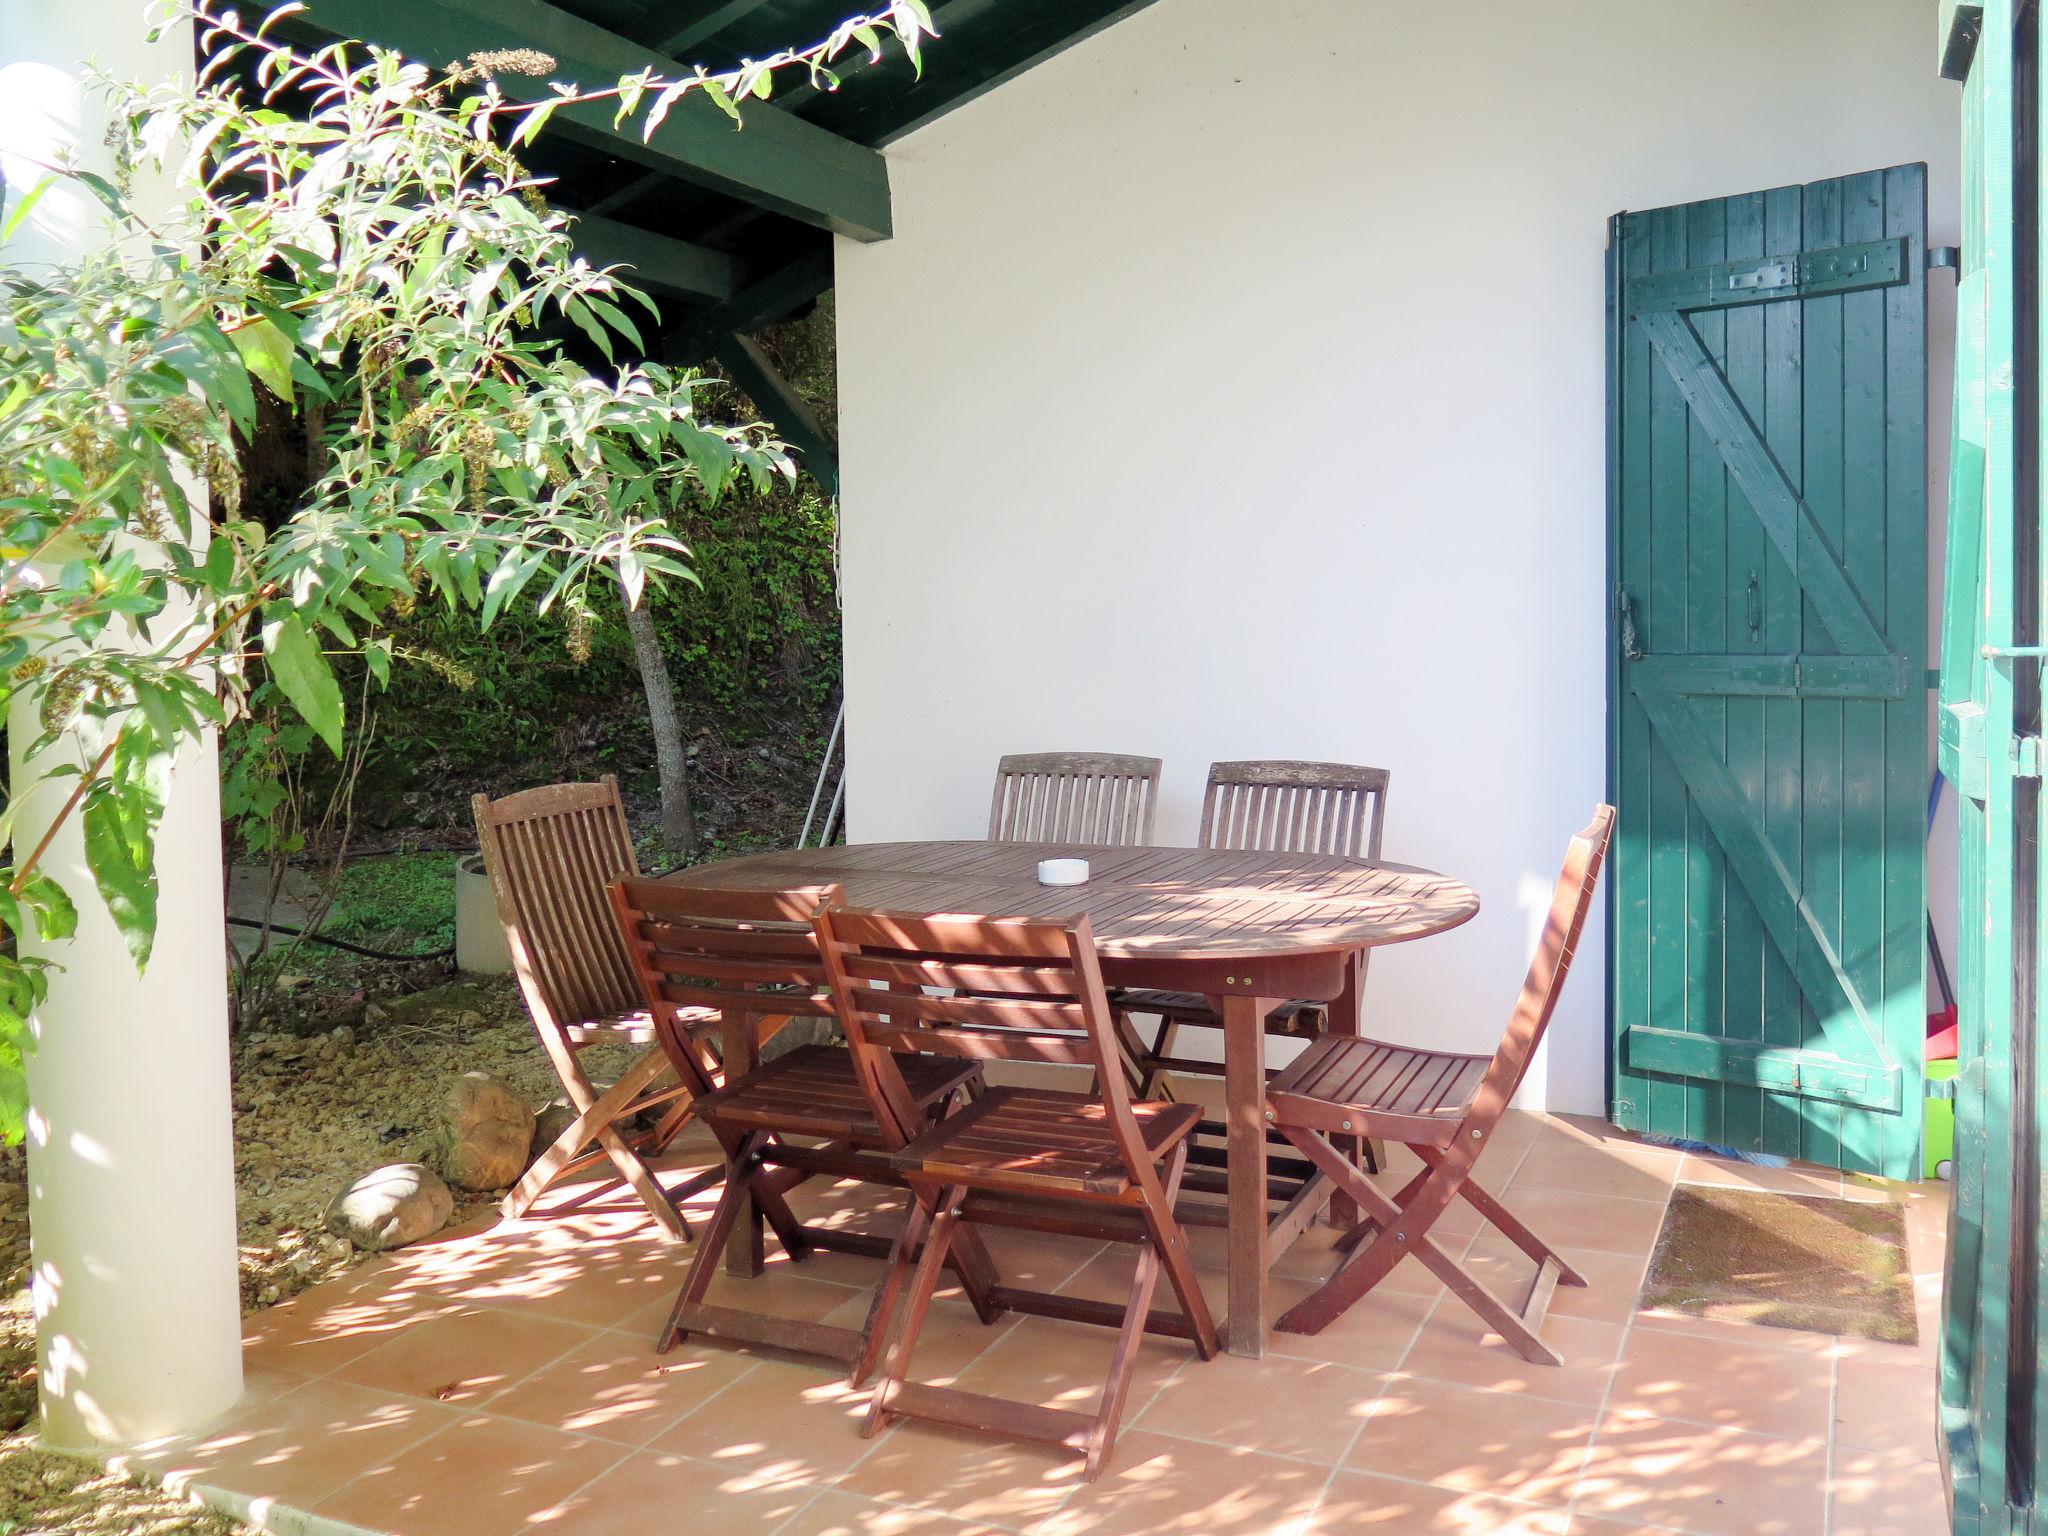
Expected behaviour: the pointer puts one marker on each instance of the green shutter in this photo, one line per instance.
(1767, 501)
(1991, 1408)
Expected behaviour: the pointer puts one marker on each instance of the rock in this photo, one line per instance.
(553, 1119)
(390, 1207)
(485, 1133)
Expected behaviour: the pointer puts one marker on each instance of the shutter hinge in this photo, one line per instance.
(1950, 256)
(2026, 757)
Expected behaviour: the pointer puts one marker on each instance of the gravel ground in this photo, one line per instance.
(311, 1112)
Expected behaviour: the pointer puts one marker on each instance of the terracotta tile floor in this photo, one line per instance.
(500, 1381)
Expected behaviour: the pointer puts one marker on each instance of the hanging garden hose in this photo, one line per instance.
(355, 949)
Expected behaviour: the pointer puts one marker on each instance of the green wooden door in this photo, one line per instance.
(1767, 544)
(1990, 727)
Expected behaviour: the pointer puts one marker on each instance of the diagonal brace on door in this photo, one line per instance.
(1789, 522)
(1772, 887)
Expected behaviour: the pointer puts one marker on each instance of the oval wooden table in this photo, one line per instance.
(1248, 929)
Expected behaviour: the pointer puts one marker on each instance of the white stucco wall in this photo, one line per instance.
(1233, 387)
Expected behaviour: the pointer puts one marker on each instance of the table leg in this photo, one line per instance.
(1346, 1015)
(746, 1251)
(1244, 1099)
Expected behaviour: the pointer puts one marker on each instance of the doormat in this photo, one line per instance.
(1785, 1261)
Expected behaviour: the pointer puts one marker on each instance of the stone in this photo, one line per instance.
(553, 1119)
(389, 1207)
(485, 1133)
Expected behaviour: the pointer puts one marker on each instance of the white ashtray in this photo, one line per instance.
(1062, 871)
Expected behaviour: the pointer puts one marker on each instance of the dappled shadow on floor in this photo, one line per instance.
(501, 1379)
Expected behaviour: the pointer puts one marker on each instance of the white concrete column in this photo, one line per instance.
(130, 1150)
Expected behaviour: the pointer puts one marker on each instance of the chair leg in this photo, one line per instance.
(1137, 1070)
(594, 1110)
(1172, 1245)
(596, 1123)
(1367, 1225)
(931, 1264)
(746, 1251)
(1130, 1337)
(672, 1125)
(1511, 1227)
(1402, 1230)
(744, 1164)
(882, 1310)
(1155, 1075)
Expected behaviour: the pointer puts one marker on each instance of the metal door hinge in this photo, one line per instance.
(1625, 616)
(1950, 256)
(2026, 757)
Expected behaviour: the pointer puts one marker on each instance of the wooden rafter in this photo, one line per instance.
(747, 366)
(788, 287)
(779, 162)
(1003, 49)
(658, 263)
(681, 28)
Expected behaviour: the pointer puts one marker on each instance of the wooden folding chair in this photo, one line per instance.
(752, 957)
(550, 853)
(1274, 807)
(1092, 1164)
(1443, 1107)
(1083, 799)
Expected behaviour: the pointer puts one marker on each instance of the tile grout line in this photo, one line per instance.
(1628, 1329)
(890, 1431)
(1130, 1417)
(1827, 1515)
(1390, 1377)
(480, 1411)
(441, 1305)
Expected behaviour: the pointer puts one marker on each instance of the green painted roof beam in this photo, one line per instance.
(658, 263)
(795, 283)
(747, 366)
(685, 27)
(1041, 32)
(778, 162)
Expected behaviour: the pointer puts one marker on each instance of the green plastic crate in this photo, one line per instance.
(1939, 1133)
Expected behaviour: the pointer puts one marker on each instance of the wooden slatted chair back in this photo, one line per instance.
(1088, 799)
(1295, 807)
(1015, 990)
(1569, 904)
(750, 951)
(551, 853)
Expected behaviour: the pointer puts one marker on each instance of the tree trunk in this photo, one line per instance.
(678, 821)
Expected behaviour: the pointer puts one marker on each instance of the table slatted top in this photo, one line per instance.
(1186, 903)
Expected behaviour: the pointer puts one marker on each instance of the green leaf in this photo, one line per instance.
(23, 208)
(534, 121)
(267, 353)
(124, 872)
(665, 99)
(56, 917)
(725, 102)
(304, 677)
(16, 1043)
